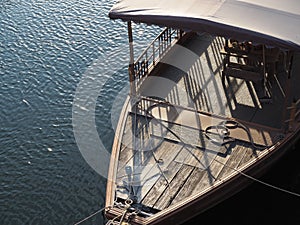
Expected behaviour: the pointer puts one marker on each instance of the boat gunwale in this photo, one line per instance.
(112, 175)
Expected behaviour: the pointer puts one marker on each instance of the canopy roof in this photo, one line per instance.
(272, 22)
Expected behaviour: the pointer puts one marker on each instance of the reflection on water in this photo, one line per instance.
(45, 49)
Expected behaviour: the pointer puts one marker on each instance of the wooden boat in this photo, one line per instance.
(213, 103)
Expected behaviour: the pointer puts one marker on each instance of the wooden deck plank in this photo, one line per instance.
(141, 163)
(128, 181)
(150, 175)
(161, 185)
(128, 150)
(174, 187)
(135, 157)
(250, 154)
(194, 157)
(129, 156)
(211, 173)
(195, 142)
(141, 139)
(157, 190)
(234, 160)
(189, 185)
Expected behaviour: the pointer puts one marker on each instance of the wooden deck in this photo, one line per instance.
(171, 162)
(180, 143)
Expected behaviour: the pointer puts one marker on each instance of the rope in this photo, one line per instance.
(113, 222)
(128, 203)
(90, 216)
(260, 181)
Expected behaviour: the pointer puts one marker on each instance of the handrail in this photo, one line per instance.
(153, 53)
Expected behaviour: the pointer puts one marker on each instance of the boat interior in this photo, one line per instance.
(210, 107)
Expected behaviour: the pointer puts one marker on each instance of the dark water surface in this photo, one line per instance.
(46, 47)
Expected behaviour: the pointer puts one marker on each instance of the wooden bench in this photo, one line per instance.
(245, 72)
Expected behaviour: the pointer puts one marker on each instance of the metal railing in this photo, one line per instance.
(153, 54)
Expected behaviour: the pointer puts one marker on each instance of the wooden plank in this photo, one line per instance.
(150, 174)
(174, 187)
(161, 185)
(127, 147)
(250, 153)
(211, 173)
(127, 178)
(128, 156)
(189, 185)
(135, 157)
(193, 138)
(142, 143)
(139, 165)
(191, 156)
(132, 120)
(234, 160)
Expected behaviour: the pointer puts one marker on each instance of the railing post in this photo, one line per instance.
(131, 63)
(153, 50)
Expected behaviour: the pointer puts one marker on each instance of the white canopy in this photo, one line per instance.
(272, 22)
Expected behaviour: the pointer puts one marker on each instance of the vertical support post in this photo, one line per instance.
(153, 53)
(288, 97)
(264, 68)
(293, 110)
(133, 102)
(131, 62)
(180, 34)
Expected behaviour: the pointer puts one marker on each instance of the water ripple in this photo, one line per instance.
(45, 48)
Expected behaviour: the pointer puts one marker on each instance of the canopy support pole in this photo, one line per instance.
(131, 62)
(264, 71)
(288, 98)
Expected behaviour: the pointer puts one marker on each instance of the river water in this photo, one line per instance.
(47, 47)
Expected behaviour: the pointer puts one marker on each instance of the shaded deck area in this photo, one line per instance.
(192, 127)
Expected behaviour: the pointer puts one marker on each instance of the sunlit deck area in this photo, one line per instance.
(192, 127)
